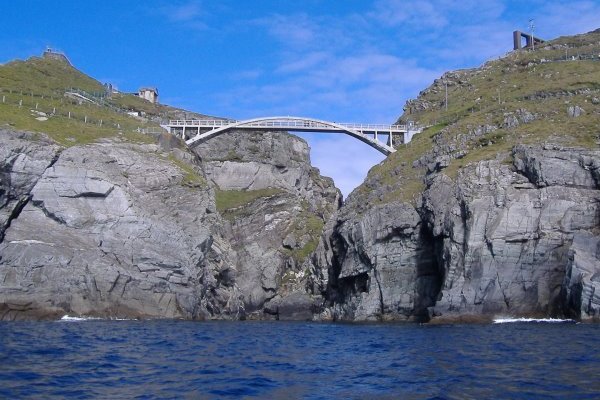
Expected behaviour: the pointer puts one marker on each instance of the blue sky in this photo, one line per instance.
(344, 61)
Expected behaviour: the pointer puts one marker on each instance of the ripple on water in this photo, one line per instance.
(174, 359)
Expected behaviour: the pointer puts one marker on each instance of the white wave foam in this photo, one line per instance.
(75, 319)
(547, 320)
(69, 318)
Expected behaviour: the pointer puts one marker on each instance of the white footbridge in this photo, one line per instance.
(380, 137)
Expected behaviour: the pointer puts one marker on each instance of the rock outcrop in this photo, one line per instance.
(114, 230)
(124, 230)
(24, 157)
(501, 239)
(274, 232)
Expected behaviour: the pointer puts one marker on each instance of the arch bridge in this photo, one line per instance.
(197, 131)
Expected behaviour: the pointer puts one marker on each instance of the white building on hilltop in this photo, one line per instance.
(149, 93)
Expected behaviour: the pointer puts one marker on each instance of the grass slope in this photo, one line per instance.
(543, 83)
(32, 97)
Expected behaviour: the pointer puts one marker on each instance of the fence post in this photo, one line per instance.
(4, 99)
(69, 114)
(36, 106)
(85, 119)
(20, 102)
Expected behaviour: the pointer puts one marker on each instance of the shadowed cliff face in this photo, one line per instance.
(381, 265)
(511, 234)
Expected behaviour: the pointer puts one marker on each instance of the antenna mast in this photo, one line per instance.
(531, 29)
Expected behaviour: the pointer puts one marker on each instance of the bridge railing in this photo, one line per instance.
(288, 124)
(202, 122)
(374, 127)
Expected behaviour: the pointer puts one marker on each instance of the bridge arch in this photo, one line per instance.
(366, 133)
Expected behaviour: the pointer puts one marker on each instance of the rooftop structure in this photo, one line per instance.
(530, 40)
(149, 93)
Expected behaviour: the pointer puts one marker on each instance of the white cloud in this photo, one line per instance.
(369, 87)
(566, 18)
(185, 12)
(247, 74)
(305, 62)
(296, 30)
(420, 14)
(189, 14)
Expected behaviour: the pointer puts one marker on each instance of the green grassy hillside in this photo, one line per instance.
(32, 97)
(525, 97)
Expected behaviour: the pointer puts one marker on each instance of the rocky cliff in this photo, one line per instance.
(493, 210)
(127, 230)
(518, 239)
(275, 205)
(99, 216)
(110, 229)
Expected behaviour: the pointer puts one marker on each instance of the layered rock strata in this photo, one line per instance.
(113, 230)
(517, 238)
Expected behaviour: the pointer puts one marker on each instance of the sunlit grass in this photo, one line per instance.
(485, 97)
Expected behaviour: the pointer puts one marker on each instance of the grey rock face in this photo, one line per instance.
(272, 235)
(499, 240)
(123, 230)
(520, 116)
(297, 305)
(23, 159)
(379, 265)
(581, 285)
(506, 241)
(575, 111)
(259, 160)
(113, 230)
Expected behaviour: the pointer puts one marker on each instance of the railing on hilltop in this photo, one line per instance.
(37, 104)
(96, 97)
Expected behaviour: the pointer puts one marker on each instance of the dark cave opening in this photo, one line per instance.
(430, 273)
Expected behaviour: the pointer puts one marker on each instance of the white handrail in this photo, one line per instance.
(285, 123)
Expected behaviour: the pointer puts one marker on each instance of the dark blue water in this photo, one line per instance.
(279, 360)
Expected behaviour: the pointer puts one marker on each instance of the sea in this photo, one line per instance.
(166, 359)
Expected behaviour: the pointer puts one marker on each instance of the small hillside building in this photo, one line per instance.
(149, 93)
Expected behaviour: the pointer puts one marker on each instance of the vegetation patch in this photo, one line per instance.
(191, 177)
(306, 224)
(228, 200)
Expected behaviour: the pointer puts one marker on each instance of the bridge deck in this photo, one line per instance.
(371, 134)
(287, 124)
